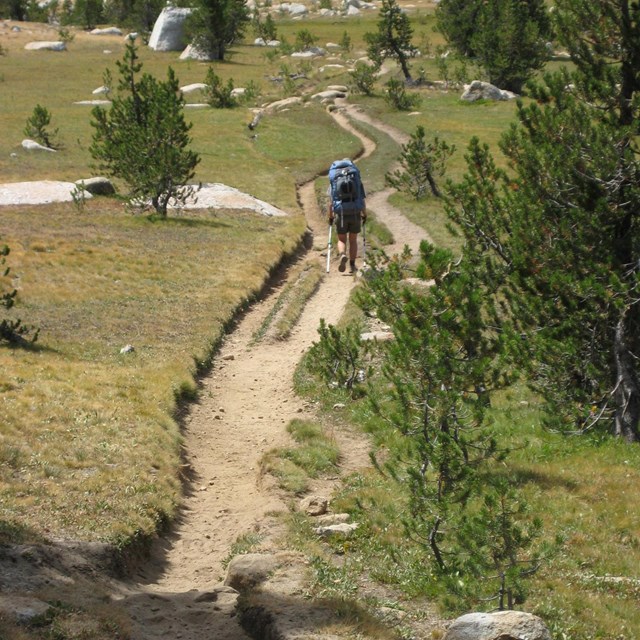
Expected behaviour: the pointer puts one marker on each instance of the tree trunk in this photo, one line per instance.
(402, 59)
(627, 393)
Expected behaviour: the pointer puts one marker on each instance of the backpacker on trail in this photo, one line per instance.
(346, 188)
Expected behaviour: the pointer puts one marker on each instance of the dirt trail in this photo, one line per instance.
(245, 404)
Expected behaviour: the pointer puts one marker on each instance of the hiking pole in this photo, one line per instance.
(364, 242)
(329, 247)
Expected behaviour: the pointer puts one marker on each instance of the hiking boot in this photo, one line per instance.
(343, 263)
(352, 266)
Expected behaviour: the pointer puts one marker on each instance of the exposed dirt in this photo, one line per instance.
(245, 404)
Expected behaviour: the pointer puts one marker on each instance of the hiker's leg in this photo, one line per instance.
(353, 246)
(342, 243)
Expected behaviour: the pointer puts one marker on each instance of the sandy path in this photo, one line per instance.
(245, 404)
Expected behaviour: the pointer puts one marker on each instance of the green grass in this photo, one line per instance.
(315, 454)
(582, 488)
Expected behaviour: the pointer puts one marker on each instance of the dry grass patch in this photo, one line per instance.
(90, 446)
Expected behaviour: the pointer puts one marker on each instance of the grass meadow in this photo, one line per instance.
(89, 437)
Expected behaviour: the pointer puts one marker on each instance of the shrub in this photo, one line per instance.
(363, 78)
(36, 128)
(218, 94)
(397, 97)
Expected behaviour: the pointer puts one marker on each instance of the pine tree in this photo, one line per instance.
(143, 138)
(562, 224)
(507, 38)
(510, 41)
(393, 38)
(421, 162)
(214, 25)
(439, 369)
(11, 330)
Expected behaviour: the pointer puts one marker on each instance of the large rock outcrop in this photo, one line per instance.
(168, 31)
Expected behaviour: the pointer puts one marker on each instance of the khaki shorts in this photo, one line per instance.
(349, 222)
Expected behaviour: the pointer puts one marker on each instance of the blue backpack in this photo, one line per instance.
(347, 191)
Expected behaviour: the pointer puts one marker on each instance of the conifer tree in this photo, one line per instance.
(393, 38)
(143, 138)
(421, 162)
(562, 224)
(214, 25)
(12, 330)
(507, 38)
(440, 368)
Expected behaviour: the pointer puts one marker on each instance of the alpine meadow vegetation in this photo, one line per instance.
(495, 481)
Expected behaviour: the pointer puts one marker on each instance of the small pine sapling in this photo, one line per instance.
(363, 78)
(36, 128)
(398, 98)
(338, 358)
(11, 330)
(218, 94)
(421, 161)
(498, 542)
(345, 42)
(305, 40)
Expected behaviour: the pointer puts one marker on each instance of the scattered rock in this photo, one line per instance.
(216, 195)
(329, 67)
(260, 42)
(32, 145)
(193, 53)
(108, 31)
(380, 336)
(44, 45)
(500, 625)
(314, 505)
(98, 186)
(42, 192)
(306, 54)
(128, 348)
(93, 102)
(247, 571)
(328, 95)
(196, 86)
(343, 529)
(285, 103)
(294, 9)
(479, 90)
(332, 518)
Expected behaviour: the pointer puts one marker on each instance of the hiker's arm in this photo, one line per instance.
(330, 212)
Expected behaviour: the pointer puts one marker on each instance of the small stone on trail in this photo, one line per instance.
(314, 505)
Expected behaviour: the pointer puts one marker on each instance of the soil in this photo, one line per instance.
(245, 403)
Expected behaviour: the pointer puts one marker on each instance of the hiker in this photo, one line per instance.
(348, 208)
